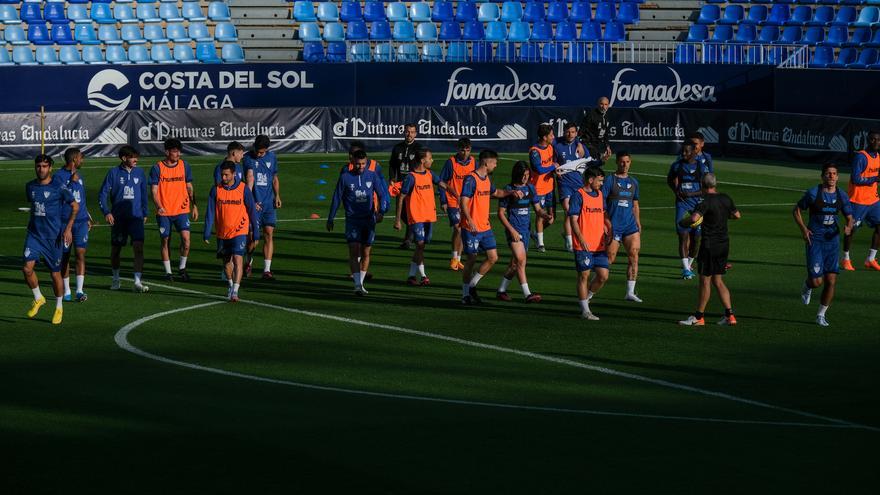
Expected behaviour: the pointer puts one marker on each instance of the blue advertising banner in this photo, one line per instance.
(844, 93)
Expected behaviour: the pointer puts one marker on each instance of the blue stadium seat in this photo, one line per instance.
(875, 40)
(822, 56)
(161, 54)
(78, 13)
(169, 13)
(601, 53)
(685, 54)
(519, 31)
(102, 13)
(473, 31)
(226, 32)
(22, 55)
(813, 36)
(419, 12)
(845, 57)
(30, 12)
(709, 14)
(351, 11)
(466, 11)
(205, 52)
(757, 14)
(313, 52)
(108, 34)
(380, 30)
(14, 34)
(92, 54)
(746, 33)
(557, 11)
(542, 30)
(124, 13)
(46, 55)
(61, 34)
(217, 11)
(534, 11)
(591, 31)
(184, 54)
(374, 10)
(232, 53)
(74, 1)
(309, 31)
(566, 31)
(553, 52)
(868, 17)
(146, 12)
(9, 15)
(697, 33)
(733, 14)
(5, 59)
(482, 52)
(457, 51)
(845, 16)
(328, 12)
(357, 30)
(192, 12)
(629, 13)
(511, 11)
(442, 11)
(69, 55)
(333, 31)
(336, 52)
(450, 30)
(383, 53)
(800, 16)
(426, 31)
(38, 33)
(303, 11)
(175, 31)
(790, 35)
(489, 12)
(432, 52)
(769, 34)
(868, 56)
(396, 11)
(779, 14)
(822, 16)
(405, 31)
(605, 12)
(530, 52)
(496, 31)
(614, 31)
(54, 12)
(722, 34)
(154, 33)
(84, 34)
(837, 36)
(360, 52)
(860, 36)
(580, 12)
(407, 52)
(199, 31)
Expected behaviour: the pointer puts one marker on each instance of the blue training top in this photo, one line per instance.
(620, 192)
(78, 188)
(46, 202)
(823, 211)
(264, 170)
(355, 193)
(519, 211)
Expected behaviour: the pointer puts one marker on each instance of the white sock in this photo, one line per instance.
(235, 288)
(80, 282)
(465, 289)
(413, 269)
(846, 255)
(182, 265)
(58, 302)
(568, 241)
(630, 287)
(822, 310)
(363, 276)
(66, 285)
(37, 294)
(356, 276)
(525, 289)
(475, 279)
(422, 269)
(115, 274)
(229, 282)
(167, 265)
(267, 266)
(590, 295)
(540, 238)
(504, 283)
(807, 288)
(585, 306)
(872, 254)
(137, 278)
(455, 255)
(690, 264)
(684, 264)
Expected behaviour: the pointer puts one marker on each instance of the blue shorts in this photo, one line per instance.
(866, 214)
(547, 201)
(680, 210)
(823, 257)
(80, 235)
(232, 247)
(525, 237)
(566, 192)
(477, 242)
(454, 215)
(422, 231)
(122, 229)
(362, 231)
(36, 248)
(266, 217)
(180, 223)
(622, 230)
(588, 260)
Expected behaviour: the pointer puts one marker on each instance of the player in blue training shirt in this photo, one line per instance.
(261, 173)
(703, 158)
(46, 232)
(71, 177)
(357, 191)
(234, 154)
(822, 236)
(515, 215)
(621, 193)
(568, 148)
(684, 178)
(123, 202)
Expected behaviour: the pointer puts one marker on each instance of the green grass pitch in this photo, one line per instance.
(404, 391)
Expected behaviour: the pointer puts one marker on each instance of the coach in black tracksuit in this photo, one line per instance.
(403, 156)
(594, 130)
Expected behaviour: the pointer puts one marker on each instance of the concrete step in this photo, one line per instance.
(266, 33)
(667, 15)
(271, 55)
(664, 25)
(654, 35)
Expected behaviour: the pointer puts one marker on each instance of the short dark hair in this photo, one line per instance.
(569, 125)
(621, 154)
(42, 157)
(463, 143)
(696, 135)
(228, 165)
(487, 155)
(173, 143)
(234, 146)
(544, 130)
(874, 131)
(262, 142)
(519, 170)
(356, 145)
(70, 154)
(828, 165)
(358, 154)
(408, 125)
(128, 151)
(593, 172)
(421, 153)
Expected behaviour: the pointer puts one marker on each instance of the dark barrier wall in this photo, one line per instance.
(504, 128)
(828, 92)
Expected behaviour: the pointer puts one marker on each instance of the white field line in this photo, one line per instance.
(122, 342)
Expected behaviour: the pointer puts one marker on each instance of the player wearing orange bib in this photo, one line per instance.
(456, 168)
(232, 212)
(590, 228)
(864, 199)
(542, 159)
(476, 231)
(417, 196)
(171, 181)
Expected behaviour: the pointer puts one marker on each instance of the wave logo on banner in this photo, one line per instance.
(652, 95)
(482, 93)
(100, 81)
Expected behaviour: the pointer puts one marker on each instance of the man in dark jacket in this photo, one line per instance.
(594, 130)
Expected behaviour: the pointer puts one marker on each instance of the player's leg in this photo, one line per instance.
(693, 245)
(517, 255)
(249, 257)
(846, 264)
(165, 251)
(354, 263)
(268, 250)
(874, 218)
(633, 245)
(612, 249)
(471, 246)
(237, 261)
(827, 297)
(726, 301)
(65, 272)
(81, 274)
(485, 242)
(30, 278)
(583, 262)
(704, 294)
(58, 289)
(183, 228)
(115, 263)
(684, 242)
(454, 215)
(138, 249)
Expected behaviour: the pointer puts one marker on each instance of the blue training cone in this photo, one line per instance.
(324, 165)
(321, 197)
(322, 181)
